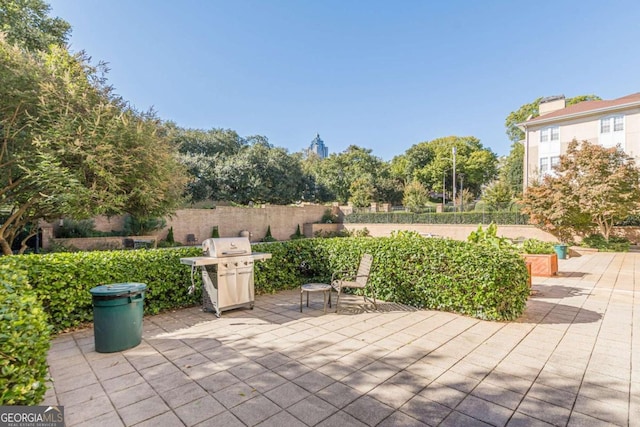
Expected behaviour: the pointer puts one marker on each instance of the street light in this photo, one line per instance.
(444, 174)
(453, 152)
(461, 192)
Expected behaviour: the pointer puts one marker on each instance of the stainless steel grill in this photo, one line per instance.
(227, 273)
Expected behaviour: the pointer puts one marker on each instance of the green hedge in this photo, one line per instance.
(438, 274)
(431, 273)
(62, 280)
(24, 341)
(475, 218)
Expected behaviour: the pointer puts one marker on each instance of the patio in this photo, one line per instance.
(572, 359)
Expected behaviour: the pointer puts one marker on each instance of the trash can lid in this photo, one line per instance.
(118, 289)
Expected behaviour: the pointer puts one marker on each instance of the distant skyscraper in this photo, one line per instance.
(318, 148)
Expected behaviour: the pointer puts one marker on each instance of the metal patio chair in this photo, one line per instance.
(350, 279)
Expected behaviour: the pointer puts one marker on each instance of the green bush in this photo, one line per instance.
(490, 238)
(437, 274)
(328, 217)
(615, 244)
(62, 280)
(134, 226)
(535, 246)
(82, 228)
(488, 283)
(503, 217)
(268, 237)
(297, 234)
(24, 341)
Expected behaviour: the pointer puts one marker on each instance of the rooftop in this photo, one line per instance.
(587, 107)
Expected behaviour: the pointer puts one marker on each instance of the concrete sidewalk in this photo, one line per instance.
(572, 359)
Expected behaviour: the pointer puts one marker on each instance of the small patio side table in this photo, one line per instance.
(316, 287)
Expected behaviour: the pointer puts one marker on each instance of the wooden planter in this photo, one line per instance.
(542, 264)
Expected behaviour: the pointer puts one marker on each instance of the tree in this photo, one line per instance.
(431, 162)
(362, 191)
(70, 147)
(592, 186)
(497, 195)
(511, 171)
(338, 172)
(415, 196)
(260, 173)
(531, 110)
(27, 24)
(203, 152)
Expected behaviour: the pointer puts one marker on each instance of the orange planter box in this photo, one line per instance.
(542, 264)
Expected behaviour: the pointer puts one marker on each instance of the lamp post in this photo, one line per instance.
(461, 192)
(453, 152)
(444, 174)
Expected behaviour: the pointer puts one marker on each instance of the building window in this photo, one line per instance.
(544, 165)
(551, 133)
(555, 161)
(618, 123)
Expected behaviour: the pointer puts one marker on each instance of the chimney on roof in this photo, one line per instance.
(551, 104)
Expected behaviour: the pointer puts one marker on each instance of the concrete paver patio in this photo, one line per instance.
(572, 359)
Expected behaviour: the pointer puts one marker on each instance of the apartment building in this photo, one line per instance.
(606, 122)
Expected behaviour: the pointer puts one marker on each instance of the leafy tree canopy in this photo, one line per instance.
(27, 24)
(592, 186)
(416, 196)
(512, 169)
(431, 162)
(532, 109)
(70, 147)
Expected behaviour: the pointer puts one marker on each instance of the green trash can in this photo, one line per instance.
(117, 316)
(561, 251)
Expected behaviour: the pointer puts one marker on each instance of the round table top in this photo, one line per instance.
(315, 287)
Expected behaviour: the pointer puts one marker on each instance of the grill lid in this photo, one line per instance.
(226, 247)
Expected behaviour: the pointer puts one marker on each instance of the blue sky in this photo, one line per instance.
(383, 75)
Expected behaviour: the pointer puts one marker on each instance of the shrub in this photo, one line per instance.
(297, 234)
(24, 341)
(62, 280)
(268, 237)
(170, 238)
(328, 217)
(134, 226)
(535, 246)
(71, 228)
(440, 274)
(615, 244)
(502, 217)
(215, 233)
(490, 238)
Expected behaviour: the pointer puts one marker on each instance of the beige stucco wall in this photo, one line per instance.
(460, 232)
(457, 232)
(585, 128)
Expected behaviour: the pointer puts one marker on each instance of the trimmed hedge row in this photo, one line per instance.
(474, 218)
(62, 280)
(437, 274)
(24, 341)
(431, 273)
